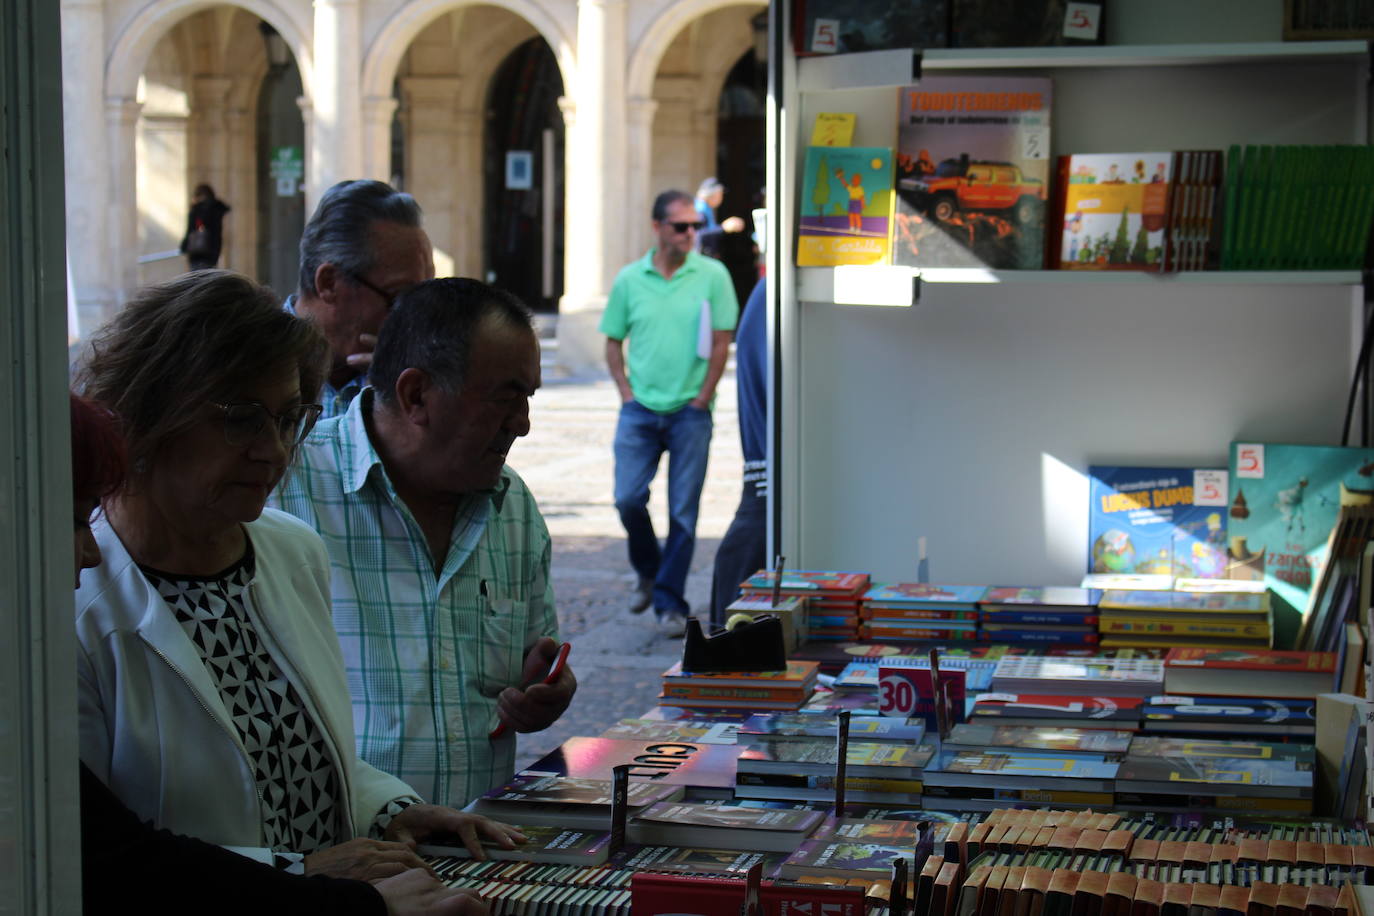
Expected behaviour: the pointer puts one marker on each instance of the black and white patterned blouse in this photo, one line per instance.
(296, 778)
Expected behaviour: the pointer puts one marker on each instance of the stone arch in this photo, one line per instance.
(653, 44)
(136, 39)
(389, 46)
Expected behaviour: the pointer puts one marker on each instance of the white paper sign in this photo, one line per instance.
(1082, 20)
(1209, 487)
(825, 36)
(704, 331)
(1250, 461)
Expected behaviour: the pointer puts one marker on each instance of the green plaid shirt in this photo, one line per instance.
(425, 656)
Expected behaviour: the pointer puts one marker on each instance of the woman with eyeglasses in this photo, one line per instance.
(125, 862)
(212, 696)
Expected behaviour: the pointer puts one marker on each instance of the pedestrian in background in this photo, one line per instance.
(204, 238)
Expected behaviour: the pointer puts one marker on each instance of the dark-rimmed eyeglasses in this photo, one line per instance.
(388, 298)
(244, 422)
(680, 228)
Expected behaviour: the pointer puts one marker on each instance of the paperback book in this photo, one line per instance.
(759, 730)
(703, 767)
(971, 736)
(973, 172)
(1022, 770)
(1230, 715)
(1249, 673)
(1284, 501)
(1115, 207)
(1156, 521)
(1050, 711)
(560, 801)
(553, 845)
(722, 826)
(1083, 676)
(846, 206)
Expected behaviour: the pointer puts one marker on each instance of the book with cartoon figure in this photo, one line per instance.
(973, 172)
(1115, 207)
(1160, 521)
(846, 206)
(1284, 500)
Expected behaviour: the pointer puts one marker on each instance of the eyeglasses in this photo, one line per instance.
(390, 298)
(683, 227)
(244, 422)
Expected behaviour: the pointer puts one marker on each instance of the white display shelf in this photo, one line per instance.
(892, 286)
(877, 69)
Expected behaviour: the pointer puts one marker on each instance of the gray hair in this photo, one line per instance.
(339, 232)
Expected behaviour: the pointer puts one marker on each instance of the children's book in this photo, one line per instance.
(1283, 505)
(973, 172)
(846, 206)
(925, 595)
(1157, 521)
(1115, 207)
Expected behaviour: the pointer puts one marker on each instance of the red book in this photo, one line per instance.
(1249, 673)
(717, 895)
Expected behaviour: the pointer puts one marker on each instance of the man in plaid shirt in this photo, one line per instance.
(439, 555)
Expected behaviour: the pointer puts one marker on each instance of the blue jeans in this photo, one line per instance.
(641, 438)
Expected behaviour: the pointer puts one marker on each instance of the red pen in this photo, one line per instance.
(555, 670)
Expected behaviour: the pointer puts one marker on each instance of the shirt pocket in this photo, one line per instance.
(502, 648)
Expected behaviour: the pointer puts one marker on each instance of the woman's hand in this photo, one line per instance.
(419, 823)
(363, 860)
(417, 893)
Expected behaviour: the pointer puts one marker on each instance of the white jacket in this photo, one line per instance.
(153, 727)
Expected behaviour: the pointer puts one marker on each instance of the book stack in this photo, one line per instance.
(910, 611)
(697, 731)
(722, 826)
(1165, 619)
(708, 770)
(833, 597)
(786, 768)
(561, 801)
(787, 689)
(1217, 776)
(1042, 615)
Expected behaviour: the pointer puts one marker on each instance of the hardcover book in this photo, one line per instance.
(973, 172)
(1283, 505)
(1157, 521)
(846, 206)
(925, 595)
(1249, 672)
(1114, 208)
(1044, 598)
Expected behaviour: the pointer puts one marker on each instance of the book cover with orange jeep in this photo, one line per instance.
(973, 172)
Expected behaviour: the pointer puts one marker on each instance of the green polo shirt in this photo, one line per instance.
(662, 319)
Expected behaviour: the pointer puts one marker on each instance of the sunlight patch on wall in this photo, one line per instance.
(1064, 513)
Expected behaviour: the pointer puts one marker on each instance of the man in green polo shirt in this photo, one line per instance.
(678, 310)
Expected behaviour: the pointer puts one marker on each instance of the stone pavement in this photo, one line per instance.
(566, 460)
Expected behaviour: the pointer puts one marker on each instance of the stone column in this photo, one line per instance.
(336, 150)
(596, 173)
(639, 196)
(121, 128)
(87, 162)
(241, 192)
(438, 172)
(312, 189)
(379, 111)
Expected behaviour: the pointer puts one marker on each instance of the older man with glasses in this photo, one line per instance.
(363, 247)
(678, 310)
